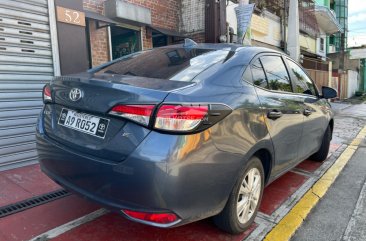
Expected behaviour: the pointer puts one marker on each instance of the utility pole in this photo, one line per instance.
(215, 20)
(293, 44)
(341, 62)
(284, 26)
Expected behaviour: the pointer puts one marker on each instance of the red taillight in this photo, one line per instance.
(158, 218)
(180, 117)
(169, 117)
(47, 96)
(138, 113)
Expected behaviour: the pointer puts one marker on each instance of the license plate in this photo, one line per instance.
(88, 124)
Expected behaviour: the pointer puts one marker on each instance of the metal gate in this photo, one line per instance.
(26, 64)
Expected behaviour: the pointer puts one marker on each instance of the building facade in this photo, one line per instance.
(170, 22)
(317, 23)
(124, 36)
(339, 41)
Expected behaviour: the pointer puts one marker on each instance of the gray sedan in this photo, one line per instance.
(181, 133)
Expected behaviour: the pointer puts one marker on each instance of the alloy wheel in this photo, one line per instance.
(248, 197)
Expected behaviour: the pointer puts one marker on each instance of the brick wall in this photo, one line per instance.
(94, 5)
(146, 38)
(167, 14)
(164, 13)
(197, 37)
(99, 42)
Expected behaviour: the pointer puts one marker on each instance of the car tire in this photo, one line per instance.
(322, 154)
(247, 193)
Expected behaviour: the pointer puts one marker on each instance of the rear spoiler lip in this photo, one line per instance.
(118, 79)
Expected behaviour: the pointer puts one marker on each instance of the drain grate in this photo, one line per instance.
(32, 202)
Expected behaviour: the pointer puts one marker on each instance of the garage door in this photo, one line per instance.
(25, 66)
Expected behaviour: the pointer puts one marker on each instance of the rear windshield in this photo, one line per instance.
(167, 63)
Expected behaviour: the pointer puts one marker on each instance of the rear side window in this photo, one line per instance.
(303, 83)
(276, 72)
(258, 76)
(247, 76)
(181, 64)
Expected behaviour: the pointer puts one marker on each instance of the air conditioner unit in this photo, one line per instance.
(332, 49)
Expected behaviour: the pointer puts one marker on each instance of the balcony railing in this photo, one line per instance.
(308, 22)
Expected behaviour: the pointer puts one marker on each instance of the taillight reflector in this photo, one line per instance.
(138, 113)
(180, 117)
(158, 218)
(47, 96)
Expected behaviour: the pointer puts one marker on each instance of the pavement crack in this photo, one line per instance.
(315, 193)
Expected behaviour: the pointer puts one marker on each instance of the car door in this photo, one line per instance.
(314, 110)
(281, 107)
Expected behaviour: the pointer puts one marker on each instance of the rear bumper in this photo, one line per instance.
(186, 175)
(115, 186)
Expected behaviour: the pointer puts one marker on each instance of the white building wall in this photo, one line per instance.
(353, 83)
(319, 52)
(231, 16)
(266, 28)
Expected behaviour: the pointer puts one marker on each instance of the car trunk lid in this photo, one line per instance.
(99, 93)
(102, 92)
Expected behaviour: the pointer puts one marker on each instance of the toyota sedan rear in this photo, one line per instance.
(177, 134)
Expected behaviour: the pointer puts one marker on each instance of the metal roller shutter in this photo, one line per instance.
(26, 64)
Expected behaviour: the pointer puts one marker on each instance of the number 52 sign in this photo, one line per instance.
(70, 16)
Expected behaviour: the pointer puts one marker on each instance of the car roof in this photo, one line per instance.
(226, 46)
(248, 51)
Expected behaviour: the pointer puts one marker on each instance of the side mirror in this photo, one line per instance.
(329, 93)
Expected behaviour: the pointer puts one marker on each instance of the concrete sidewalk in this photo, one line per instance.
(341, 214)
(356, 229)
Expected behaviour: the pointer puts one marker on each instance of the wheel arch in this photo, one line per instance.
(265, 152)
(266, 159)
(331, 124)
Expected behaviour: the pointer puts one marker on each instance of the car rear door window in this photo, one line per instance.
(258, 76)
(303, 84)
(276, 73)
(247, 76)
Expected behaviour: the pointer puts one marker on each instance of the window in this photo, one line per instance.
(321, 45)
(159, 39)
(247, 76)
(332, 40)
(124, 41)
(303, 83)
(258, 76)
(178, 64)
(276, 72)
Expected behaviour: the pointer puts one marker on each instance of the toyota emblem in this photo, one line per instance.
(101, 127)
(75, 94)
